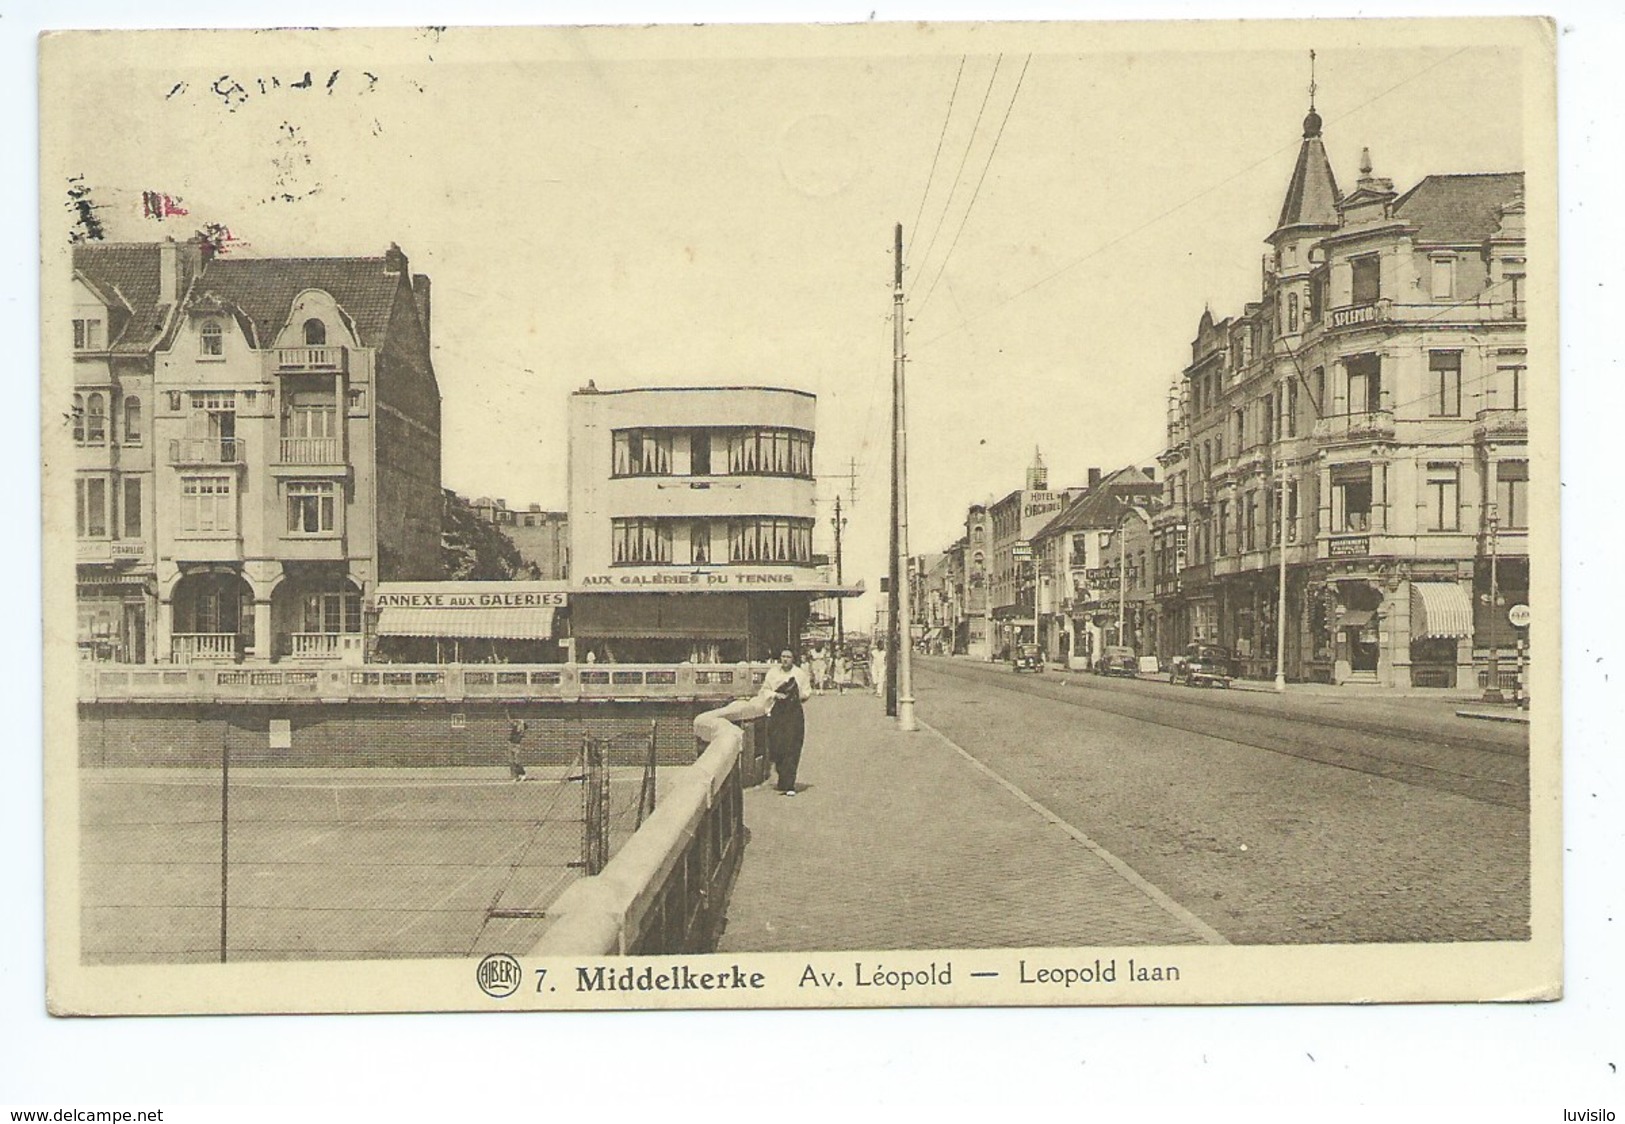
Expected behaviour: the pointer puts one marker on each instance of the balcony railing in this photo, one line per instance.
(206, 450)
(310, 450)
(316, 645)
(1356, 427)
(189, 647)
(310, 360)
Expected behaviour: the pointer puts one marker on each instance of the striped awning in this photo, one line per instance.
(527, 623)
(1440, 610)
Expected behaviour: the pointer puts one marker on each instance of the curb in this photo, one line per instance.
(1520, 717)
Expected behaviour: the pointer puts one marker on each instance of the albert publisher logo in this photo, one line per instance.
(498, 975)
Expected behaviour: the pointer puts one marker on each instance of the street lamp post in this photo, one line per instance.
(1492, 689)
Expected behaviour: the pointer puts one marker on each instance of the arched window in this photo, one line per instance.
(95, 420)
(315, 333)
(132, 420)
(212, 338)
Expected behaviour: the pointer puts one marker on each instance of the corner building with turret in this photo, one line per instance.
(1378, 387)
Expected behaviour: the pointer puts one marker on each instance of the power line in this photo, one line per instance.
(941, 137)
(972, 204)
(959, 174)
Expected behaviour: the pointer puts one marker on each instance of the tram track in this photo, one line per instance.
(1478, 770)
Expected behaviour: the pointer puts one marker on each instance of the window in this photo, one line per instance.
(132, 420)
(1351, 499)
(1320, 390)
(770, 452)
(1443, 497)
(1268, 430)
(641, 541)
(1291, 412)
(311, 507)
(699, 542)
(87, 335)
(1292, 312)
(768, 539)
(1367, 278)
(1224, 527)
(1365, 384)
(1292, 511)
(132, 507)
(315, 333)
(1512, 494)
(699, 453)
(212, 339)
(1444, 385)
(332, 613)
(1249, 528)
(206, 504)
(1444, 277)
(1239, 420)
(641, 452)
(1514, 286)
(78, 419)
(90, 496)
(1317, 298)
(95, 419)
(1512, 381)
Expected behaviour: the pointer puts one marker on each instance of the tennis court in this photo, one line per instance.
(339, 863)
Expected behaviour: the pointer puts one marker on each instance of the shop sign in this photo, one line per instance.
(699, 579)
(93, 551)
(129, 551)
(460, 600)
(1356, 314)
(1518, 616)
(1022, 550)
(1351, 548)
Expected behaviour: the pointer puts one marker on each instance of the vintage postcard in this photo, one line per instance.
(870, 515)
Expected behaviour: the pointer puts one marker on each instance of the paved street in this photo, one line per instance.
(1183, 815)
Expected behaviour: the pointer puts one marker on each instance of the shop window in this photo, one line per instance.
(1367, 271)
(90, 496)
(1444, 384)
(312, 507)
(207, 504)
(88, 335)
(315, 333)
(212, 339)
(1351, 500)
(640, 452)
(1512, 494)
(131, 507)
(641, 542)
(1443, 497)
(132, 420)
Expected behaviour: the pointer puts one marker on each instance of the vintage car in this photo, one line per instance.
(1116, 659)
(1202, 665)
(1027, 657)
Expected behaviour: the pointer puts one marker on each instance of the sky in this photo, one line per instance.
(678, 209)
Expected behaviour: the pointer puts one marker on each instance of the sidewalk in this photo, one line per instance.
(898, 841)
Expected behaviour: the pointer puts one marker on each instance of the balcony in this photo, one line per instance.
(311, 360)
(1373, 425)
(310, 450)
(203, 647)
(206, 451)
(326, 646)
(1501, 425)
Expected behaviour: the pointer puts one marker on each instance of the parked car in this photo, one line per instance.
(1026, 657)
(1202, 665)
(1116, 659)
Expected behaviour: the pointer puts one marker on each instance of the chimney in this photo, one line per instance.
(169, 282)
(420, 294)
(1094, 477)
(395, 260)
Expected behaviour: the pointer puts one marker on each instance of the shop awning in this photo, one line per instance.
(1440, 610)
(529, 623)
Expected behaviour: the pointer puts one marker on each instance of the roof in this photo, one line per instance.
(1459, 208)
(129, 273)
(1101, 506)
(264, 290)
(1311, 194)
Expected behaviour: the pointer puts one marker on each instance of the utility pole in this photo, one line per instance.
(900, 665)
(838, 656)
(1492, 689)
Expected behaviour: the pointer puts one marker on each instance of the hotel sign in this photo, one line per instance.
(528, 600)
(1351, 548)
(1356, 314)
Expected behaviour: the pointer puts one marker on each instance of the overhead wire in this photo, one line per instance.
(964, 157)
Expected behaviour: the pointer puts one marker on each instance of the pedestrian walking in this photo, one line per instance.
(877, 670)
(516, 741)
(818, 668)
(786, 686)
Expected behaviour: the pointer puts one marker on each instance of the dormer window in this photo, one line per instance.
(315, 333)
(212, 339)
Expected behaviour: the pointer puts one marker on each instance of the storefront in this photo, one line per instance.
(113, 612)
(469, 622)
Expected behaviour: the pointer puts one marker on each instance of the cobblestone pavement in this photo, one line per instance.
(1275, 821)
(897, 841)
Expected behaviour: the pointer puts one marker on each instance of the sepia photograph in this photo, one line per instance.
(828, 516)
